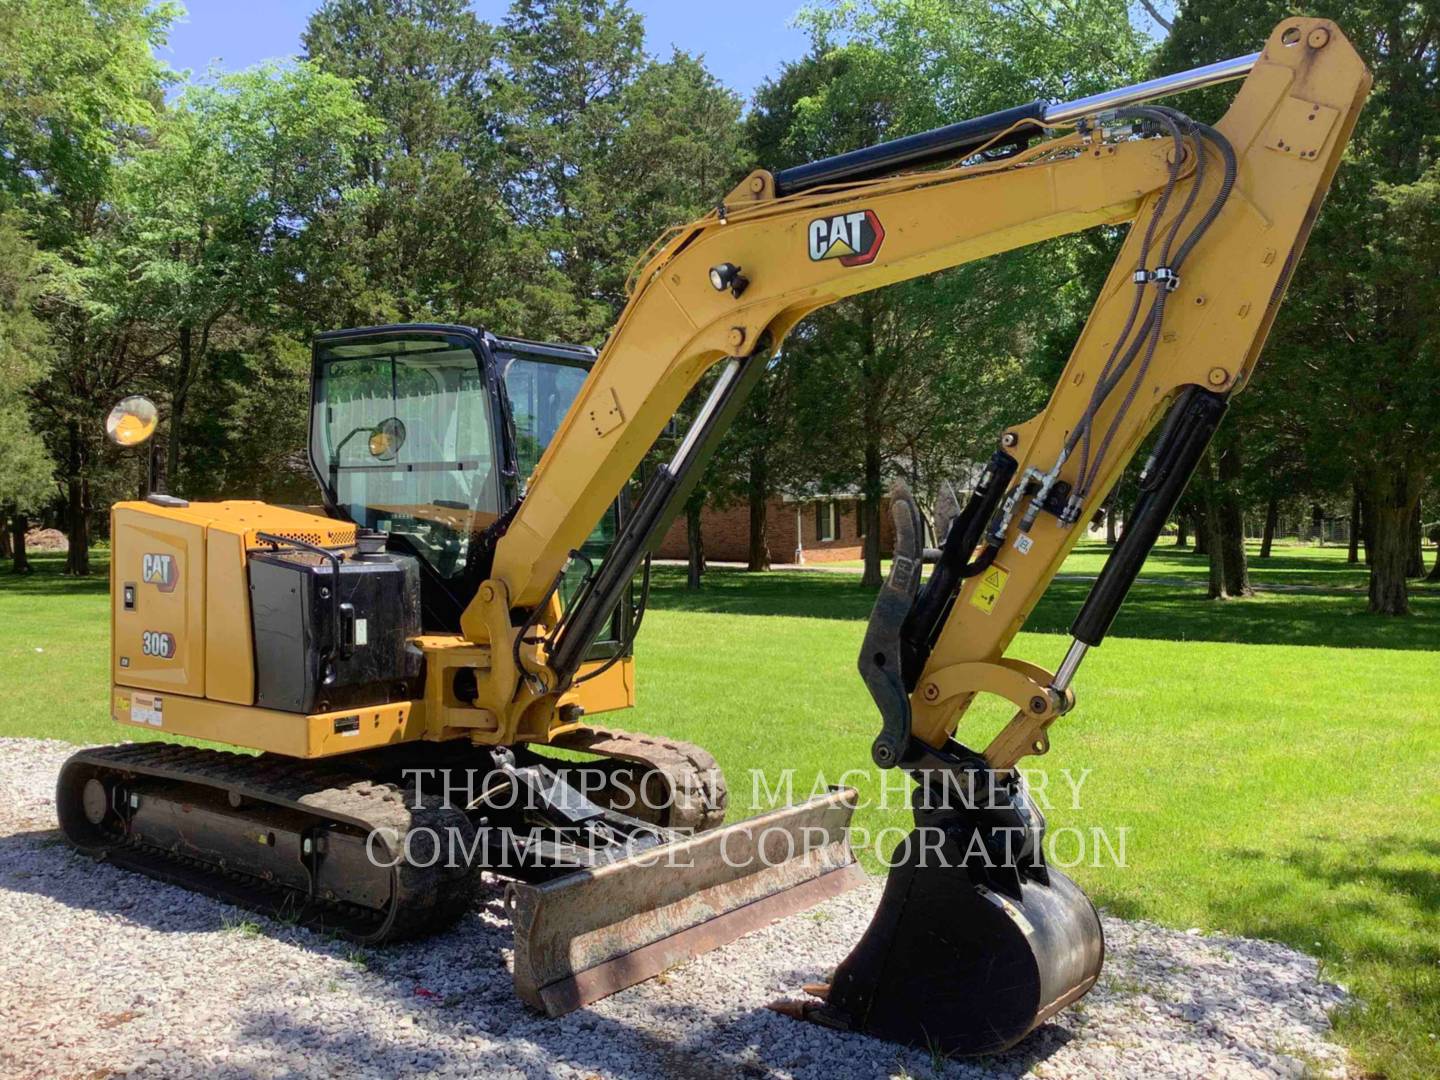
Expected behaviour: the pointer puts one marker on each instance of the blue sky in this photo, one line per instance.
(743, 41)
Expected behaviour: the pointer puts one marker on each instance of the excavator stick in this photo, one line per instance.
(586, 935)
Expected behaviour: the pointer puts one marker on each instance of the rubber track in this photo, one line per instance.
(423, 900)
(698, 795)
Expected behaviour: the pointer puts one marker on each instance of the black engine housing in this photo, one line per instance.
(314, 655)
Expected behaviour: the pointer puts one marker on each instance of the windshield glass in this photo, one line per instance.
(541, 391)
(403, 440)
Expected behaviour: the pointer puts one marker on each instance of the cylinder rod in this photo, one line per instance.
(1065, 673)
(640, 530)
(1178, 83)
(707, 410)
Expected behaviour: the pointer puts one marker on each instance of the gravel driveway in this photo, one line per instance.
(105, 973)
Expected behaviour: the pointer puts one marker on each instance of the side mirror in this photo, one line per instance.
(386, 439)
(132, 421)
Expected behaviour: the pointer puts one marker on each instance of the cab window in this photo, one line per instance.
(404, 442)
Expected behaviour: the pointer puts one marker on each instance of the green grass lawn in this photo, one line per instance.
(1270, 766)
(1290, 563)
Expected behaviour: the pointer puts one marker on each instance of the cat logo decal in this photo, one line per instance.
(853, 238)
(160, 571)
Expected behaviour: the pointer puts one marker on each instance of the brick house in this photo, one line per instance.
(818, 528)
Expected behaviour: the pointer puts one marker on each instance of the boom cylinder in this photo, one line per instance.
(666, 491)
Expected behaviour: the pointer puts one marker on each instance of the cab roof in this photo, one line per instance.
(584, 353)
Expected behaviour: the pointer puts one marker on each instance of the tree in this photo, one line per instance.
(1229, 513)
(1415, 558)
(1272, 522)
(1355, 345)
(607, 148)
(77, 82)
(211, 210)
(79, 87)
(25, 466)
(432, 237)
(1353, 555)
(568, 64)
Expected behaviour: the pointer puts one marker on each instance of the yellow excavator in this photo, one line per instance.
(409, 659)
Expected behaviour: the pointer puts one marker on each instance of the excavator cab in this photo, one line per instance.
(427, 435)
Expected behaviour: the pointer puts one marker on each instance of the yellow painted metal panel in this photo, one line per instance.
(229, 643)
(291, 734)
(192, 633)
(159, 570)
(615, 689)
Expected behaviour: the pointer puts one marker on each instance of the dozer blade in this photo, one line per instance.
(952, 964)
(591, 933)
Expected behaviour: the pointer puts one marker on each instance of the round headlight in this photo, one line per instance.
(724, 276)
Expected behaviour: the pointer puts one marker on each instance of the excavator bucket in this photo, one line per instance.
(976, 941)
(954, 962)
(588, 934)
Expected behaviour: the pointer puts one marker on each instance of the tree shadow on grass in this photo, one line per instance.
(1183, 613)
(1164, 612)
(1297, 565)
(47, 577)
(1362, 899)
(1367, 907)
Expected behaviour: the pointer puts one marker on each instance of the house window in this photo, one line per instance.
(827, 521)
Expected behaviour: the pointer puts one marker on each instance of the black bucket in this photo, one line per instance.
(956, 962)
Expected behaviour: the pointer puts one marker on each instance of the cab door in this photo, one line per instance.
(539, 389)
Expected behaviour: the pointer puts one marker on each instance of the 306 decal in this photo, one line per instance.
(158, 644)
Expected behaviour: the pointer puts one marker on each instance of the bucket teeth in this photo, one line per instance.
(584, 936)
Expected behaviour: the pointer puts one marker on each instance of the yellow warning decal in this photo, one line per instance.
(992, 584)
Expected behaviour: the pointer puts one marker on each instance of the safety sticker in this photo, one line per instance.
(992, 584)
(1023, 544)
(147, 709)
